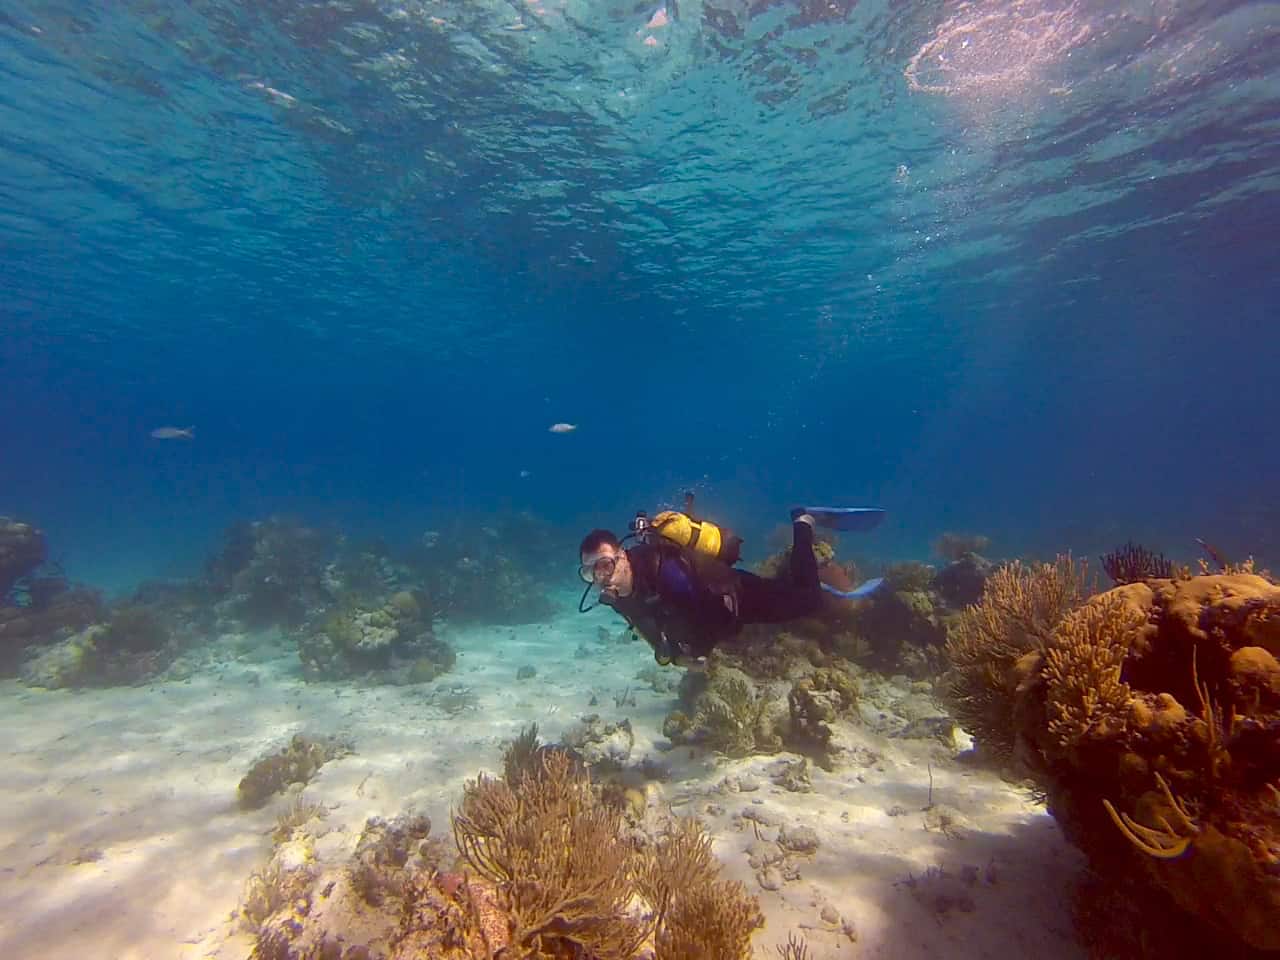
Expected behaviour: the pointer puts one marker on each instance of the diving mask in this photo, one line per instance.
(597, 570)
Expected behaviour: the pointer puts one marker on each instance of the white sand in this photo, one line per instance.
(121, 836)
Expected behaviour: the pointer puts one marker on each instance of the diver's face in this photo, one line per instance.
(610, 570)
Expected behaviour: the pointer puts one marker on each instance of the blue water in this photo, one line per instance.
(1009, 270)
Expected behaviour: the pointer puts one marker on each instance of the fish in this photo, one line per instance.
(174, 433)
(562, 427)
(524, 474)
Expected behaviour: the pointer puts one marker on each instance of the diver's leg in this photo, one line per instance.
(778, 599)
(804, 564)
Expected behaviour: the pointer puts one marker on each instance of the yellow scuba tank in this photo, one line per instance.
(700, 536)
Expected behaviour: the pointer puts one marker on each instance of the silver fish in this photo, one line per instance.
(562, 427)
(174, 433)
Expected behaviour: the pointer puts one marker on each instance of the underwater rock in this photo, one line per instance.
(298, 763)
(22, 550)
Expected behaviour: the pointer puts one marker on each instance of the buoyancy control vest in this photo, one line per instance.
(700, 536)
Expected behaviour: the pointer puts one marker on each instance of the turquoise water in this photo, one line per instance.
(372, 250)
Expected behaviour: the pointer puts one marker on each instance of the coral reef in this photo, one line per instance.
(392, 639)
(301, 908)
(269, 572)
(491, 589)
(547, 870)
(905, 626)
(909, 577)
(379, 869)
(728, 713)
(46, 619)
(297, 763)
(133, 646)
(492, 572)
(992, 645)
(37, 604)
(1150, 717)
(561, 871)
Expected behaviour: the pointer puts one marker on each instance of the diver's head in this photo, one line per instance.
(603, 563)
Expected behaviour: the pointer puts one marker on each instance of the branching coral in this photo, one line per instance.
(566, 880)
(696, 915)
(521, 755)
(1082, 667)
(1020, 607)
(1132, 563)
(735, 719)
(558, 857)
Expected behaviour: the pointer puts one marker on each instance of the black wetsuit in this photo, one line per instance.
(684, 604)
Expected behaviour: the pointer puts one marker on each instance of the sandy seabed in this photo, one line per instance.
(122, 838)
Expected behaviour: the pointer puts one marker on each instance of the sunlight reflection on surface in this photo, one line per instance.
(996, 49)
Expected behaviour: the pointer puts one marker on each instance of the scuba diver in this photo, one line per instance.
(676, 584)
